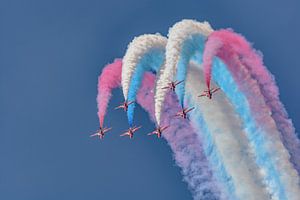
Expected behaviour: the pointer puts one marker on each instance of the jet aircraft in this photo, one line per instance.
(159, 131)
(124, 105)
(209, 92)
(130, 132)
(101, 132)
(183, 112)
(172, 85)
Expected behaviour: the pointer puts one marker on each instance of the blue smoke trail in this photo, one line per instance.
(189, 48)
(151, 61)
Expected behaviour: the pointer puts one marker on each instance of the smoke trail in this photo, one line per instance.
(108, 80)
(145, 53)
(185, 38)
(181, 137)
(252, 78)
(254, 133)
(248, 147)
(232, 42)
(223, 131)
(184, 142)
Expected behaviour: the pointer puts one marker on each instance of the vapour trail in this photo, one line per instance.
(108, 80)
(184, 141)
(181, 137)
(144, 53)
(223, 131)
(185, 38)
(240, 144)
(252, 78)
(241, 52)
(255, 135)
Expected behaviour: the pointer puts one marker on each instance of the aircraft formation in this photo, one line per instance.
(183, 113)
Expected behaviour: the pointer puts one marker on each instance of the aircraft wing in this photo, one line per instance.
(164, 128)
(124, 134)
(202, 95)
(189, 110)
(136, 128)
(130, 102)
(178, 82)
(178, 115)
(118, 107)
(106, 129)
(95, 134)
(152, 133)
(214, 90)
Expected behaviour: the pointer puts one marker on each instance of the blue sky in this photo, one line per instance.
(51, 53)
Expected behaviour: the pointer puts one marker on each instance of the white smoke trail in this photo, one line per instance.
(178, 34)
(139, 46)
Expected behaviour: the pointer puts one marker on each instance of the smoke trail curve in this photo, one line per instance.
(181, 137)
(252, 61)
(107, 81)
(254, 80)
(185, 38)
(144, 53)
(243, 133)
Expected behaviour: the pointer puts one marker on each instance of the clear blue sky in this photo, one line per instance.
(51, 53)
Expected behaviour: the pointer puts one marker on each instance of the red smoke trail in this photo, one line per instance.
(181, 137)
(246, 64)
(109, 79)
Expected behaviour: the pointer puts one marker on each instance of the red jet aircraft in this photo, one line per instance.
(124, 105)
(172, 85)
(183, 112)
(130, 132)
(159, 131)
(209, 92)
(101, 132)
